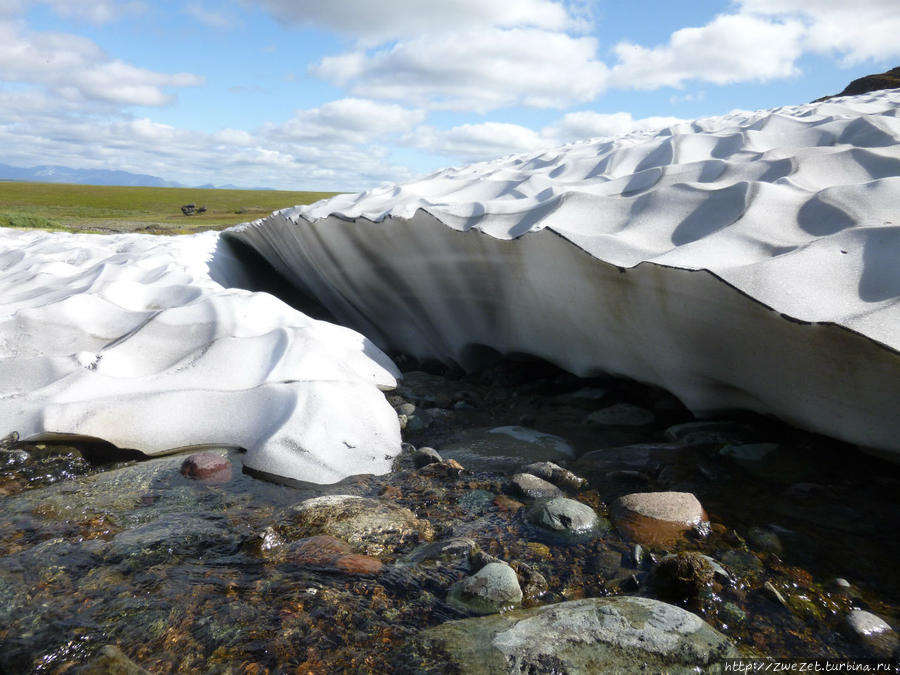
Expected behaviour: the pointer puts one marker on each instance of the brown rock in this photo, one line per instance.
(657, 519)
(358, 564)
(207, 466)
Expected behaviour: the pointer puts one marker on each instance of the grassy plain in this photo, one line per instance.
(97, 208)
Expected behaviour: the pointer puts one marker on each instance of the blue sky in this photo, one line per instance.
(351, 94)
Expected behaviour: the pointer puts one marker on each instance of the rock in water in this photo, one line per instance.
(136, 340)
(597, 635)
(494, 587)
(744, 261)
(657, 519)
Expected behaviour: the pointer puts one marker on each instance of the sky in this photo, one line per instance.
(347, 95)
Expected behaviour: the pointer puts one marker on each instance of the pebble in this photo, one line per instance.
(492, 588)
(424, 456)
(657, 519)
(554, 473)
(207, 466)
(532, 487)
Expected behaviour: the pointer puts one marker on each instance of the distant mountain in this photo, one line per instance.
(65, 174)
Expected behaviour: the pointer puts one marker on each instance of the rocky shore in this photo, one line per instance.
(535, 522)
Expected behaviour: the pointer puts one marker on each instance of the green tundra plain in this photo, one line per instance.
(101, 208)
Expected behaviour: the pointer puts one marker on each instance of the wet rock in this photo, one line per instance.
(353, 563)
(595, 635)
(657, 519)
(608, 564)
(873, 632)
(207, 466)
(447, 468)
(110, 661)
(621, 414)
(425, 456)
(492, 588)
(749, 452)
(367, 524)
(566, 517)
(553, 473)
(682, 578)
(742, 563)
(265, 543)
(532, 487)
(709, 432)
(764, 540)
(406, 409)
(731, 614)
(454, 549)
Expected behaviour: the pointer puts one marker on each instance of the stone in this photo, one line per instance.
(564, 516)
(554, 473)
(764, 540)
(621, 414)
(532, 487)
(406, 409)
(657, 519)
(366, 524)
(595, 635)
(492, 588)
(207, 466)
(873, 632)
(424, 456)
(454, 549)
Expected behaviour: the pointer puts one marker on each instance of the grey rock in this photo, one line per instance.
(596, 635)
(366, 524)
(565, 516)
(425, 456)
(492, 588)
(553, 473)
(526, 485)
(873, 632)
(764, 540)
(406, 409)
(457, 548)
(621, 414)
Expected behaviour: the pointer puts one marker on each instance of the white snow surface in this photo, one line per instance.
(749, 260)
(135, 340)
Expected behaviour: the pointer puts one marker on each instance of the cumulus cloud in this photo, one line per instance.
(478, 70)
(489, 140)
(76, 68)
(346, 121)
(474, 142)
(858, 31)
(731, 48)
(380, 21)
(586, 124)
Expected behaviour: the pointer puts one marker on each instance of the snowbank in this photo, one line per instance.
(745, 261)
(134, 339)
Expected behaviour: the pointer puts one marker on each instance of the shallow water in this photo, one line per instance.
(135, 554)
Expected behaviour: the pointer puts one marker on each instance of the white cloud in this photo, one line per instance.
(859, 30)
(588, 124)
(77, 69)
(375, 22)
(209, 17)
(347, 121)
(731, 48)
(473, 142)
(478, 70)
(94, 11)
